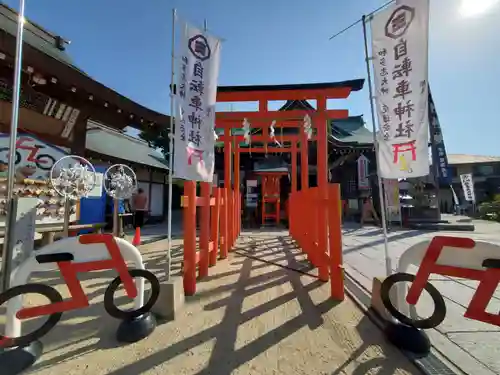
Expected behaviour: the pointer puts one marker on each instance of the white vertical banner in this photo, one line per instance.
(400, 58)
(456, 202)
(363, 181)
(468, 187)
(196, 93)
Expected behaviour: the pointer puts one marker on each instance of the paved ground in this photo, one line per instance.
(155, 232)
(473, 346)
(249, 316)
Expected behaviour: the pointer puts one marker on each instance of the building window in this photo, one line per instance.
(483, 170)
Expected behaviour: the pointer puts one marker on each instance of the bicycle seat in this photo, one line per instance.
(54, 258)
(491, 263)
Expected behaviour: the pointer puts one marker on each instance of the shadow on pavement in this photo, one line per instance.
(224, 357)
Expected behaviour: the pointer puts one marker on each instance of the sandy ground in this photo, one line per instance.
(248, 317)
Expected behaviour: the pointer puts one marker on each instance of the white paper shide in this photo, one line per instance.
(400, 52)
(196, 96)
(468, 187)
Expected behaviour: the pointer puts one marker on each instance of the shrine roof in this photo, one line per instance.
(271, 164)
(45, 53)
(351, 130)
(354, 85)
(33, 35)
(112, 143)
(454, 159)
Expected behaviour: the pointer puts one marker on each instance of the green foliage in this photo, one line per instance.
(157, 139)
(490, 210)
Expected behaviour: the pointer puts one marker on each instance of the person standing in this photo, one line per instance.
(140, 208)
(368, 211)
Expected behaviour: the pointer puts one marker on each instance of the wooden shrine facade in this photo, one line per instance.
(60, 105)
(58, 99)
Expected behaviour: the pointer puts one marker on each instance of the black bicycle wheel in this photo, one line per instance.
(53, 295)
(45, 162)
(433, 321)
(18, 155)
(109, 296)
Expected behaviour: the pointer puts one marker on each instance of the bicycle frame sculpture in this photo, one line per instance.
(85, 253)
(447, 256)
(82, 258)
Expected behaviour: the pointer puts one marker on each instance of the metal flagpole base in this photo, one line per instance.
(14, 361)
(408, 338)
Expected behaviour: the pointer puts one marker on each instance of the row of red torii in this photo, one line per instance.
(313, 213)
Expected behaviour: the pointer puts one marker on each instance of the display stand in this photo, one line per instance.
(120, 182)
(72, 177)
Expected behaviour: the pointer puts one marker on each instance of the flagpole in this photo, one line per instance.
(171, 148)
(16, 94)
(388, 266)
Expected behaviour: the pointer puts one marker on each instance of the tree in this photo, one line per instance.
(157, 138)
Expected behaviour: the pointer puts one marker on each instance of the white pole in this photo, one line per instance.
(14, 120)
(388, 266)
(171, 148)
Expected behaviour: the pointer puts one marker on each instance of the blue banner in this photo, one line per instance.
(439, 157)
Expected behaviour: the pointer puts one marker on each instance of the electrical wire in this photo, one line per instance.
(361, 20)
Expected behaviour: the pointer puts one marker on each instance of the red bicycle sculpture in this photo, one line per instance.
(79, 299)
(488, 277)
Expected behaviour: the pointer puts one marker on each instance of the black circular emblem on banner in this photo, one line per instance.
(399, 21)
(198, 45)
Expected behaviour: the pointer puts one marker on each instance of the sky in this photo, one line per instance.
(127, 46)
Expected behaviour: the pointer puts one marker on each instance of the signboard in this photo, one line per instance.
(34, 158)
(96, 192)
(194, 151)
(393, 204)
(439, 157)
(400, 59)
(468, 187)
(252, 197)
(24, 230)
(363, 181)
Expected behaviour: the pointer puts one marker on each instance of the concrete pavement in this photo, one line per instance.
(473, 346)
(253, 314)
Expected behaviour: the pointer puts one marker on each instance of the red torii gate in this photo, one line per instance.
(325, 231)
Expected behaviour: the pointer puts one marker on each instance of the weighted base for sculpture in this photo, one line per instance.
(14, 361)
(133, 330)
(408, 338)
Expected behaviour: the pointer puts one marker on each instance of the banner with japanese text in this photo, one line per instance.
(468, 187)
(400, 53)
(196, 95)
(439, 156)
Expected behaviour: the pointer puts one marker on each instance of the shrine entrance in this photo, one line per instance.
(314, 213)
(271, 196)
